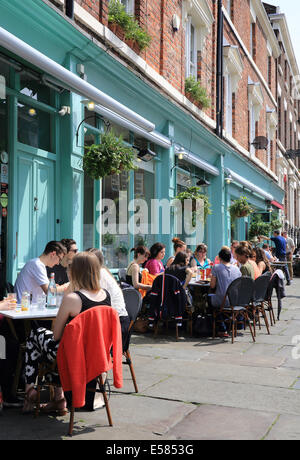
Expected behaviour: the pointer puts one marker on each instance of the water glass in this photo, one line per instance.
(41, 301)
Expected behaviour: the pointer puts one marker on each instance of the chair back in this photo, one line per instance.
(133, 302)
(122, 275)
(240, 292)
(168, 296)
(9, 288)
(261, 285)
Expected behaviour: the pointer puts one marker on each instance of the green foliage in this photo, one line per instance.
(108, 239)
(122, 249)
(194, 88)
(259, 227)
(117, 14)
(194, 193)
(240, 208)
(110, 157)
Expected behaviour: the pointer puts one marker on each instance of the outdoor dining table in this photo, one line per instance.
(33, 314)
(45, 314)
(198, 289)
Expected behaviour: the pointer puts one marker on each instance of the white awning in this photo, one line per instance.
(153, 136)
(73, 82)
(249, 185)
(196, 161)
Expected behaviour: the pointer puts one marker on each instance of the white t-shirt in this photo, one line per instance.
(108, 282)
(32, 276)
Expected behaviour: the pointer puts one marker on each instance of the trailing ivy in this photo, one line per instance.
(111, 156)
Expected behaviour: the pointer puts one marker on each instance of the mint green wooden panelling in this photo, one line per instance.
(35, 204)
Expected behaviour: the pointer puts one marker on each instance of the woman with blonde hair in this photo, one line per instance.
(179, 246)
(42, 345)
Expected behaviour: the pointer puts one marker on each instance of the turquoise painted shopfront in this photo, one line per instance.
(50, 197)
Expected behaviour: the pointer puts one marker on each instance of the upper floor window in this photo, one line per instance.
(228, 5)
(191, 49)
(129, 6)
(197, 20)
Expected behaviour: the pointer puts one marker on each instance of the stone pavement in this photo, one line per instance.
(195, 389)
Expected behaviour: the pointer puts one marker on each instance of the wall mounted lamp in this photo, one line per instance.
(203, 183)
(229, 180)
(90, 105)
(146, 155)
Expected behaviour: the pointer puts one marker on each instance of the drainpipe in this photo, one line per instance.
(220, 89)
(70, 9)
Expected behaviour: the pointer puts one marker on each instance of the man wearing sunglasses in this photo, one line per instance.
(61, 270)
(33, 276)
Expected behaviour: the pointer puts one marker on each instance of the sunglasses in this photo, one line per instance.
(74, 250)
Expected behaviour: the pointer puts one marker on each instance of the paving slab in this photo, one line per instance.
(241, 395)
(286, 428)
(280, 377)
(223, 423)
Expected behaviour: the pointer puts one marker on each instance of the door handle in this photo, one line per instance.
(35, 201)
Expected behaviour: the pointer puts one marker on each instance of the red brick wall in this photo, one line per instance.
(93, 7)
(166, 55)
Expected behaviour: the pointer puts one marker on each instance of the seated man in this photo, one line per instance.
(33, 276)
(223, 275)
(60, 270)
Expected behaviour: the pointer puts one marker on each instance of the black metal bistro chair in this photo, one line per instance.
(239, 295)
(133, 303)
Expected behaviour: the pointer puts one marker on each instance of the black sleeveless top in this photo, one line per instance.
(88, 303)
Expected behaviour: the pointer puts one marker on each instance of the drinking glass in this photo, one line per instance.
(41, 301)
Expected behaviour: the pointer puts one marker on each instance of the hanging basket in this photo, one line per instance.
(110, 157)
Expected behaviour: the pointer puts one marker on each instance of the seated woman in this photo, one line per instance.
(222, 276)
(108, 282)
(42, 345)
(252, 260)
(154, 264)
(133, 275)
(8, 365)
(262, 261)
(180, 269)
(200, 260)
(179, 246)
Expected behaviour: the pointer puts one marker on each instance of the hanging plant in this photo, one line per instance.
(240, 208)
(194, 194)
(110, 157)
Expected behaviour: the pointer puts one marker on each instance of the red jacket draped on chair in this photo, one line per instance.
(84, 351)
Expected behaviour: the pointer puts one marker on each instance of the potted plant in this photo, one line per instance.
(240, 208)
(259, 227)
(194, 194)
(122, 250)
(108, 239)
(117, 18)
(126, 27)
(110, 157)
(196, 93)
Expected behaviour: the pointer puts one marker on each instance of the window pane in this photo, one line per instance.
(115, 246)
(89, 207)
(34, 127)
(144, 188)
(34, 88)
